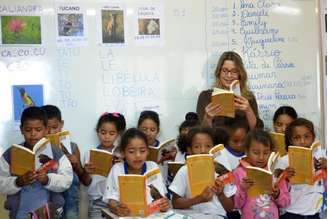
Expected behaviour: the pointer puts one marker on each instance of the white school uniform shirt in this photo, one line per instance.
(112, 190)
(180, 157)
(305, 199)
(228, 159)
(180, 186)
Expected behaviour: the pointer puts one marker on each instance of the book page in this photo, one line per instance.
(200, 173)
(262, 182)
(235, 87)
(133, 193)
(102, 160)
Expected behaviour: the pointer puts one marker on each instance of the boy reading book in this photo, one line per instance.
(35, 186)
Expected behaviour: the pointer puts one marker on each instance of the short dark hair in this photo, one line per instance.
(116, 118)
(199, 130)
(149, 114)
(52, 112)
(297, 122)
(288, 110)
(34, 113)
(130, 134)
(260, 136)
(191, 120)
(232, 124)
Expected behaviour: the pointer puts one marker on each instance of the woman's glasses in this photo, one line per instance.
(233, 72)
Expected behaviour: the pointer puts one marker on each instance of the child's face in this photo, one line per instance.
(107, 134)
(135, 154)
(150, 128)
(55, 125)
(201, 144)
(282, 122)
(258, 154)
(33, 130)
(236, 140)
(302, 136)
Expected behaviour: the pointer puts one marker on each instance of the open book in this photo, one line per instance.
(235, 87)
(263, 178)
(133, 190)
(301, 159)
(162, 152)
(279, 142)
(200, 172)
(173, 167)
(102, 160)
(61, 140)
(23, 159)
(226, 99)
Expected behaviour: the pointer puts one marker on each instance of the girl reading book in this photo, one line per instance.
(134, 148)
(109, 128)
(214, 199)
(306, 200)
(259, 146)
(149, 124)
(283, 116)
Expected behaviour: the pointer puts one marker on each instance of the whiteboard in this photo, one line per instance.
(85, 74)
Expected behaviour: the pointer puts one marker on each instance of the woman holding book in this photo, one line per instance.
(230, 68)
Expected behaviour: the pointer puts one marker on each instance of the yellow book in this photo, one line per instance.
(216, 150)
(200, 172)
(301, 159)
(61, 140)
(133, 189)
(103, 161)
(23, 159)
(262, 178)
(173, 167)
(156, 153)
(279, 142)
(226, 99)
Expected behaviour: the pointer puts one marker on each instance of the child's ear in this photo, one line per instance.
(61, 124)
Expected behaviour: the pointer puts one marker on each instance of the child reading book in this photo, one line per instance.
(109, 128)
(306, 199)
(71, 196)
(237, 129)
(214, 199)
(258, 146)
(149, 124)
(134, 147)
(31, 190)
(283, 116)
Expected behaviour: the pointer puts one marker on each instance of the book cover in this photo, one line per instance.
(279, 142)
(162, 152)
(301, 159)
(102, 160)
(133, 189)
(23, 159)
(226, 99)
(200, 172)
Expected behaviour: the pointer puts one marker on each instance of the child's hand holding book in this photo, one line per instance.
(26, 179)
(206, 195)
(275, 192)
(120, 209)
(320, 163)
(246, 183)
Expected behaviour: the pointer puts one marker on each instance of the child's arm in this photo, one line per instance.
(281, 195)
(227, 202)
(183, 203)
(118, 208)
(62, 180)
(240, 197)
(75, 160)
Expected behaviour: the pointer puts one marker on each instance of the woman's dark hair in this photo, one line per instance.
(199, 130)
(130, 134)
(148, 114)
(260, 136)
(116, 118)
(297, 122)
(288, 110)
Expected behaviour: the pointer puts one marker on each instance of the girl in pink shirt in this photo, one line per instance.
(258, 146)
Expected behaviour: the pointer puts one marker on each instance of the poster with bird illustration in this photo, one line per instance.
(25, 96)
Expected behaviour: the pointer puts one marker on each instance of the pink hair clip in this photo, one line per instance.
(116, 114)
(104, 114)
